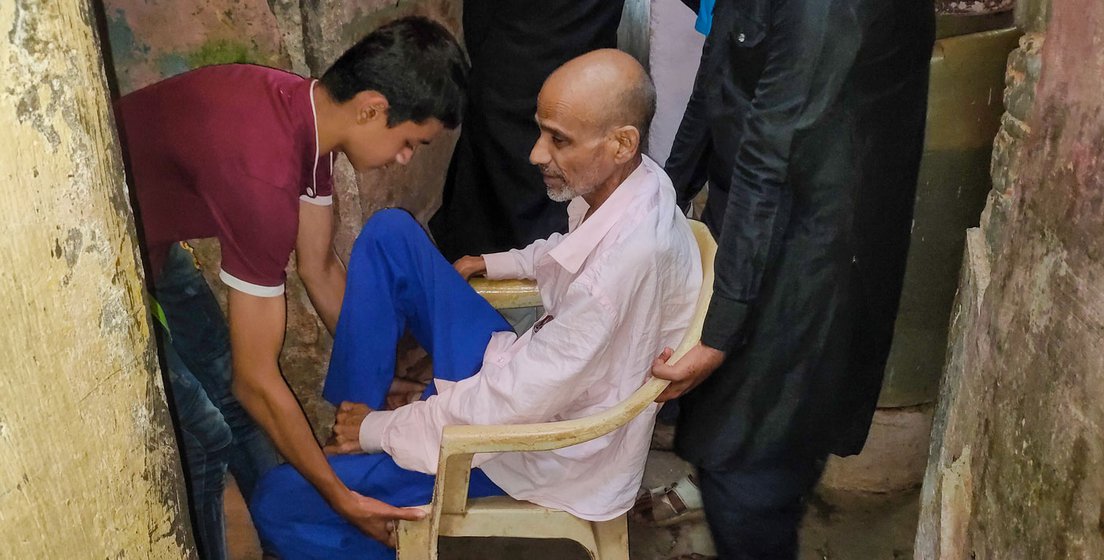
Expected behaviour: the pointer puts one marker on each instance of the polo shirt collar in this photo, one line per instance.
(583, 236)
(312, 188)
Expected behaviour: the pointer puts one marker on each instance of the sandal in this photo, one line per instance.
(668, 505)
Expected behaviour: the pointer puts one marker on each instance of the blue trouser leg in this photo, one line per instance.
(198, 356)
(397, 279)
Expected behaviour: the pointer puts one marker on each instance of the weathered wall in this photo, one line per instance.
(88, 465)
(1015, 467)
(153, 39)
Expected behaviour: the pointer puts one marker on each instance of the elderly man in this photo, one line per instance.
(617, 288)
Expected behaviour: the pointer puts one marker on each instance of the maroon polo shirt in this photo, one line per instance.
(229, 152)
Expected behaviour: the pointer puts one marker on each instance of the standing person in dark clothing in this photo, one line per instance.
(807, 118)
(494, 199)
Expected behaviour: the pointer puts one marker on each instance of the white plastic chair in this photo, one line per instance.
(452, 514)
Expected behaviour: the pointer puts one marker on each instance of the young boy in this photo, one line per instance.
(244, 153)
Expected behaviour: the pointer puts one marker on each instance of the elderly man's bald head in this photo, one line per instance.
(593, 113)
(610, 87)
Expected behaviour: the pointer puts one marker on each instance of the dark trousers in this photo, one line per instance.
(754, 513)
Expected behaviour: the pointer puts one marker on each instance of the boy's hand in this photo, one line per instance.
(345, 439)
(375, 518)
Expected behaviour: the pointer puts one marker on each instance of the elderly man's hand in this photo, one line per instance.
(345, 439)
(470, 266)
(688, 372)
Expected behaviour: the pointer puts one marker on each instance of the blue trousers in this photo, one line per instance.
(214, 429)
(397, 280)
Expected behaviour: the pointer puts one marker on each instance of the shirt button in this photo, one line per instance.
(741, 37)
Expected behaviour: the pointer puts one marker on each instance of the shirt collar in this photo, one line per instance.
(312, 190)
(583, 236)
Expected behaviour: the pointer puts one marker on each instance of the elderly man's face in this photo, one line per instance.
(573, 152)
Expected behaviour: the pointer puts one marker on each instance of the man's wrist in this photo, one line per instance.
(499, 266)
(371, 431)
(334, 492)
(725, 323)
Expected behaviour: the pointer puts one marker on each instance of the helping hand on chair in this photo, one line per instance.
(688, 371)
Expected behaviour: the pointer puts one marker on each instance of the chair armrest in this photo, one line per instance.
(549, 435)
(508, 294)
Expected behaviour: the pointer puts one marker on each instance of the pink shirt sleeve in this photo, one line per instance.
(544, 377)
(520, 263)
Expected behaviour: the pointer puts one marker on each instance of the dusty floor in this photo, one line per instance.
(838, 526)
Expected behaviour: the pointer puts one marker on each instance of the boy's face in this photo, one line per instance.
(374, 144)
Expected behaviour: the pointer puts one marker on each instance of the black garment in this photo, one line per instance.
(494, 199)
(755, 514)
(807, 117)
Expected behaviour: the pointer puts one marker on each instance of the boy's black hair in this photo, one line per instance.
(414, 62)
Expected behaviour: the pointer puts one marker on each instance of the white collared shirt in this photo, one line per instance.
(617, 289)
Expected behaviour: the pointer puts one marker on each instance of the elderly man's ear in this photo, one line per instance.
(628, 143)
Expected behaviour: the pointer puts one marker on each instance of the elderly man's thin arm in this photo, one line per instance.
(519, 263)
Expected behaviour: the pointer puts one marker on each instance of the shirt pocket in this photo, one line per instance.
(747, 50)
(747, 31)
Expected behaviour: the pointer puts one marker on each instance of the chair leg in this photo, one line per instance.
(612, 539)
(413, 541)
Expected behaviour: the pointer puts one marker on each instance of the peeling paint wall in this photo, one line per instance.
(88, 463)
(154, 39)
(1015, 468)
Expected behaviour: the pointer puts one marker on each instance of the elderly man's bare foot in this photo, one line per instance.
(403, 392)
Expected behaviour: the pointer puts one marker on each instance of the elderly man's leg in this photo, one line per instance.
(397, 280)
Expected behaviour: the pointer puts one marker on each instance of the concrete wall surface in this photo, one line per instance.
(1016, 455)
(88, 465)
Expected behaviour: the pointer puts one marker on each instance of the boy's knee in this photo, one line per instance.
(207, 432)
